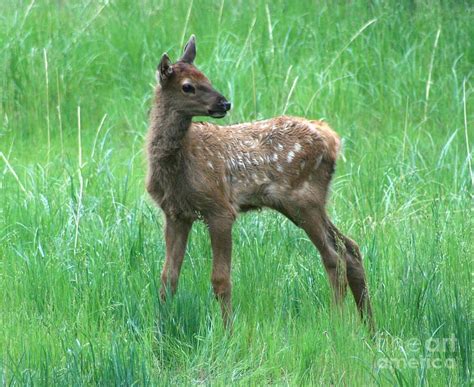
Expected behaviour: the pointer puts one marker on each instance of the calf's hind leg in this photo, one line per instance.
(355, 275)
(314, 224)
(341, 257)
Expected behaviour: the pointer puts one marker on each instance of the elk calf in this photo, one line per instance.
(199, 170)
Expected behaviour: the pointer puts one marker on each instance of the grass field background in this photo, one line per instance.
(81, 244)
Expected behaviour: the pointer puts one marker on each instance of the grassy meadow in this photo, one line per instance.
(81, 244)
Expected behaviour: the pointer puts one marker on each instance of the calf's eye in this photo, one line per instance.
(187, 88)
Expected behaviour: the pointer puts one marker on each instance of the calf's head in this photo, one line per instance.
(186, 89)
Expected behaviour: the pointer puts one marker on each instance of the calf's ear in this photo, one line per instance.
(189, 53)
(165, 68)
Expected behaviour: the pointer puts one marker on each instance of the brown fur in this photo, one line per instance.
(202, 170)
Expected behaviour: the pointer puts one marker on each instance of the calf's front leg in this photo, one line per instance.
(220, 230)
(176, 239)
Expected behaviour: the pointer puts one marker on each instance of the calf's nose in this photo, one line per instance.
(226, 105)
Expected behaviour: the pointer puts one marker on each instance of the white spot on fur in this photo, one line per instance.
(305, 188)
(231, 164)
(297, 147)
(210, 165)
(280, 147)
(249, 143)
(273, 190)
(291, 156)
(318, 162)
(275, 157)
(279, 168)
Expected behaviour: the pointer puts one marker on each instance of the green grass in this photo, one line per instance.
(81, 244)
